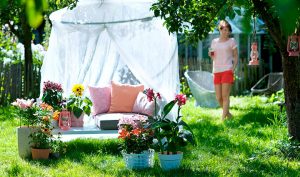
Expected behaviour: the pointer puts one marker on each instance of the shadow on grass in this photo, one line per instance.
(157, 171)
(259, 168)
(211, 138)
(76, 149)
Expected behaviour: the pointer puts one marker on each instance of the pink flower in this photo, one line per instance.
(52, 86)
(23, 104)
(150, 94)
(181, 99)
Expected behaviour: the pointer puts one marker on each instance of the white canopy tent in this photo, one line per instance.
(103, 40)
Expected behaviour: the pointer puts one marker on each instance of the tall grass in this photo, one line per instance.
(250, 144)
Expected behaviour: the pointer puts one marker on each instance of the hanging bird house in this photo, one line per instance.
(254, 55)
(293, 46)
(64, 120)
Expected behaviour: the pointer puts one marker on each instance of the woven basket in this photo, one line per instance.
(139, 161)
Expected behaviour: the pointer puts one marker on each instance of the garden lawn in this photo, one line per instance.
(253, 143)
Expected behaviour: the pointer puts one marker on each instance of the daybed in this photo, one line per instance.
(110, 103)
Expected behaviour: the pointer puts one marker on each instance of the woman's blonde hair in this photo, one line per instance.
(224, 23)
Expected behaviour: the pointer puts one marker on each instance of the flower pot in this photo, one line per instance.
(76, 121)
(170, 161)
(24, 140)
(139, 161)
(40, 153)
(55, 155)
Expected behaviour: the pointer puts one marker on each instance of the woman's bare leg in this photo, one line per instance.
(218, 89)
(225, 98)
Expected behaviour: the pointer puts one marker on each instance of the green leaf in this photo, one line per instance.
(168, 108)
(77, 111)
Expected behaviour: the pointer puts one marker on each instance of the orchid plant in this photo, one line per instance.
(171, 136)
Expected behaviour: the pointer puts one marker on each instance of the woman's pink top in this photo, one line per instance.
(223, 55)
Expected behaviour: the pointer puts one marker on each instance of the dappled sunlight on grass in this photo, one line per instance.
(246, 145)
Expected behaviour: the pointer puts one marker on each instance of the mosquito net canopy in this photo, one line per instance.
(103, 40)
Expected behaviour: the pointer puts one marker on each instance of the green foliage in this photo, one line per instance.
(184, 87)
(278, 97)
(57, 145)
(171, 136)
(79, 105)
(195, 19)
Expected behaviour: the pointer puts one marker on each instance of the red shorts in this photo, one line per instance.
(225, 77)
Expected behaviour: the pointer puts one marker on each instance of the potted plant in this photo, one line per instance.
(171, 135)
(52, 94)
(77, 105)
(137, 138)
(58, 147)
(25, 111)
(41, 138)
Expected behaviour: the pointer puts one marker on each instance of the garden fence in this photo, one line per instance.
(12, 82)
(245, 76)
(12, 77)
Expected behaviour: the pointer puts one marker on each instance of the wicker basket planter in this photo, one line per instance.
(139, 161)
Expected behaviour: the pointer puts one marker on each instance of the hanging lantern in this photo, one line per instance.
(64, 120)
(254, 54)
(293, 46)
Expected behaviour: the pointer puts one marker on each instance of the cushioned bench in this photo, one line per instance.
(109, 121)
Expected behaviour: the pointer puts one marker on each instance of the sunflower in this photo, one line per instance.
(78, 89)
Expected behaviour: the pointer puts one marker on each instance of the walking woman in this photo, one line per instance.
(224, 54)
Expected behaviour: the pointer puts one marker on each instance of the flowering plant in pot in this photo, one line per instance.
(41, 138)
(78, 104)
(171, 135)
(26, 111)
(137, 141)
(52, 94)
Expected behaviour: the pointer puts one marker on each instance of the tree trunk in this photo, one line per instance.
(291, 74)
(27, 37)
(291, 68)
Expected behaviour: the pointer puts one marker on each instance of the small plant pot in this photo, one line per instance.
(76, 121)
(40, 153)
(170, 161)
(55, 155)
(139, 161)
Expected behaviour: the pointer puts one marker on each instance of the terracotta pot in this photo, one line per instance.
(76, 121)
(24, 140)
(40, 153)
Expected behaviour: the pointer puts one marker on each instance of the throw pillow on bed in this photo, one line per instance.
(142, 105)
(100, 96)
(123, 96)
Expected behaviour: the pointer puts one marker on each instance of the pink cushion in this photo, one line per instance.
(123, 96)
(100, 96)
(142, 105)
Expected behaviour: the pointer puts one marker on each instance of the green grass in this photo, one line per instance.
(247, 145)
